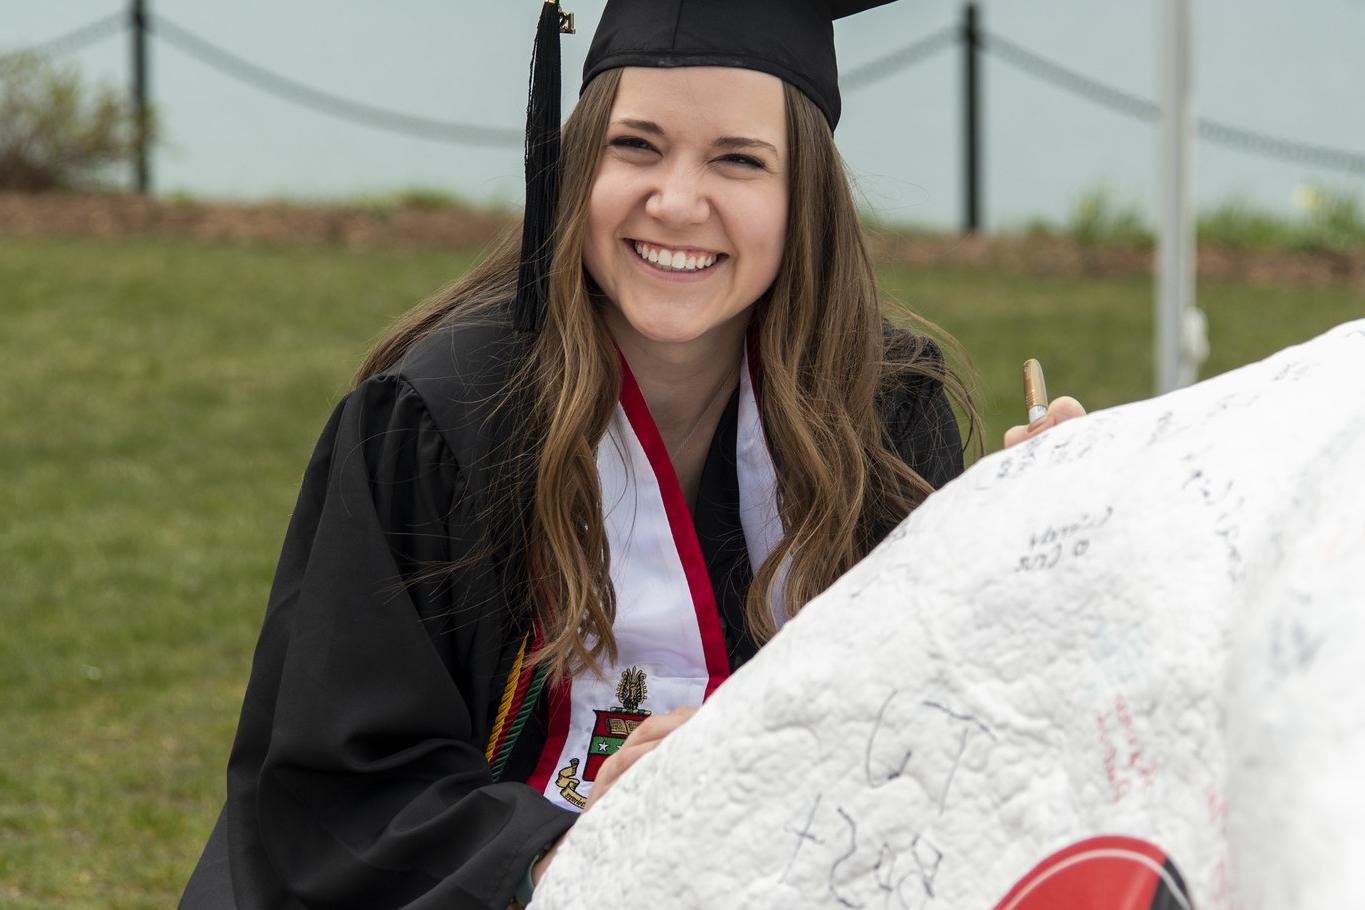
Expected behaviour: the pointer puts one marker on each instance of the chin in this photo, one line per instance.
(662, 326)
(664, 332)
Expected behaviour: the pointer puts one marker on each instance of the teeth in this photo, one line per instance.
(676, 261)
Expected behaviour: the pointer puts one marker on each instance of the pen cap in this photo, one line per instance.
(1035, 389)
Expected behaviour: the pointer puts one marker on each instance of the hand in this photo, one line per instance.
(640, 743)
(1063, 408)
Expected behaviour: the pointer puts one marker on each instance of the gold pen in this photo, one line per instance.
(1035, 390)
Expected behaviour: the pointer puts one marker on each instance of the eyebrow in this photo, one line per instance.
(727, 142)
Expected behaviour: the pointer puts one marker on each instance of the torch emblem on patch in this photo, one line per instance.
(609, 731)
(612, 727)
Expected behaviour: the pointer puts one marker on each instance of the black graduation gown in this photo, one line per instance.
(358, 777)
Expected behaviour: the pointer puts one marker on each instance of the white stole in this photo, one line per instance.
(670, 642)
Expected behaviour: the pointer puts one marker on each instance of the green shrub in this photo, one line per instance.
(54, 133)
(1331, 221)
(1098, 218)
(427, 199)
(1241, 225)
(1335, 222)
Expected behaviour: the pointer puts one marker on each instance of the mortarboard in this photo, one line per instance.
(790, 39)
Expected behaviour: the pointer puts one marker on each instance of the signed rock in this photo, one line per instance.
(1118, 663)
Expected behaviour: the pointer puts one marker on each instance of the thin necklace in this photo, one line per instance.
(715, 396)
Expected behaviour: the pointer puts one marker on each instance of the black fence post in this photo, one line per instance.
(142, 171)
(971, 140)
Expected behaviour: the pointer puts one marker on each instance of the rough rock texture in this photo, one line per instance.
(1149, 622)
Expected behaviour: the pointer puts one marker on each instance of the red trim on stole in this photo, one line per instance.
(684, 531)
(561, 706)
(694, 569)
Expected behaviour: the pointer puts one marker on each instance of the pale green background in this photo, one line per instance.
(1295, 70)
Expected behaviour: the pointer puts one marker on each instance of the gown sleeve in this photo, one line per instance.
(358, 778)
(928, 438)
(924, 429)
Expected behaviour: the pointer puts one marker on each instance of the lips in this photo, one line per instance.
(674, 276)
(675, 259)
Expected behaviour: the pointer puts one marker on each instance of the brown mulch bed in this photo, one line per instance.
(422, 228)
(1055, 255)
(289, 224)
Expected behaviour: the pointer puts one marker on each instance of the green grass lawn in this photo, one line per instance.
(158, 402)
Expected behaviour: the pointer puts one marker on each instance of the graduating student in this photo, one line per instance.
(567, 497)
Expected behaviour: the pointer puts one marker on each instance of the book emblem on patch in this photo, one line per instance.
(609, 732)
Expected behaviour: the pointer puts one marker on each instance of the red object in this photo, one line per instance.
(554, 737)
(684, 531)
(1101, 873)
(602, 733)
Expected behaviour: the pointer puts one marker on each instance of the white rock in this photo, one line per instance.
(1149, 622)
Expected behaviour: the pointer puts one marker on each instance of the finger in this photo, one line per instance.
(615, 766)
(1016, 435)
(1064, 408)
(657, 726)
(627, 756)
(642, 740)
(632, 748)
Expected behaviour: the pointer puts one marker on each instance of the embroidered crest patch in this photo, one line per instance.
(609, 732)
(612, 727)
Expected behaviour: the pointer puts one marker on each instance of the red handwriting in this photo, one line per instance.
(1124, 763)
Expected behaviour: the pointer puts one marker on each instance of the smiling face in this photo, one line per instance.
(688, 211)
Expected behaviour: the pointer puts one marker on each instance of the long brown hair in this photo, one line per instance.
(828, 359)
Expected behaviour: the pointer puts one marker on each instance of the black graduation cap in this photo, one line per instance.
(790, 39)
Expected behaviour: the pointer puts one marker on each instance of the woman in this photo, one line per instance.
(520, 559)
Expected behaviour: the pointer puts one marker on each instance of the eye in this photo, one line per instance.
(632, 142)
(744, 160)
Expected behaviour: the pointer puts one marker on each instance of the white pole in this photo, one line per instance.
(1181, 336)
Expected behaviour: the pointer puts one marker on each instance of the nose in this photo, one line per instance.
(679, 197)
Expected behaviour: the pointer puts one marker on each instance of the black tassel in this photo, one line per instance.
(542, 174)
